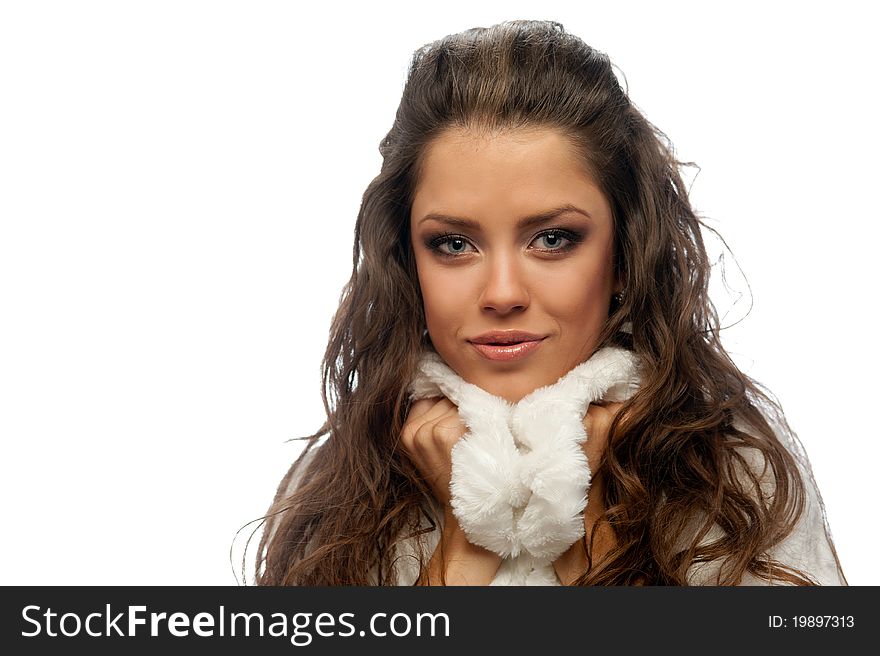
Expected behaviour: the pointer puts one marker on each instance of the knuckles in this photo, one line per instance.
(597, 422)
(440, 431)
(599, 417)
(447, 430)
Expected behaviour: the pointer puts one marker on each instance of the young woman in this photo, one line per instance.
(524, 382)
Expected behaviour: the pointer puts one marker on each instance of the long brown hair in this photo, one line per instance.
(674, 453)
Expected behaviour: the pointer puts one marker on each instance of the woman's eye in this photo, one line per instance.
(456, 245)
(553, 241)
(449, 245)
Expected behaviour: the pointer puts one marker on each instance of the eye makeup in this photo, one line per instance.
(436, 242)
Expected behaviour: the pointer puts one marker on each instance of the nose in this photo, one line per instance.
(505, 289)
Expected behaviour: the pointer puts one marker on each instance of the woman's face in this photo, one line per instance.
(513, 242)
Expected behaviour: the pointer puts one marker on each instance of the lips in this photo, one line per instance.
(505, 337)
(506, 345)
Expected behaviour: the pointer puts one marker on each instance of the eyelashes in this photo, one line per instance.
(552, 241)
(436, 242)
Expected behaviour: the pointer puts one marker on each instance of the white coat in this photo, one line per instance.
(520, 477)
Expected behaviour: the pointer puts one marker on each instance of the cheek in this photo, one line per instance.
(443, 310)
(442, 297)
(581, 296)
(576, 305)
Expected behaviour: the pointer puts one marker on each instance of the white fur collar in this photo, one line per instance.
(519, 475)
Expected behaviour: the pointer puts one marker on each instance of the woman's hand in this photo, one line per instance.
(573, 563)
(431, 429)
(597, 423)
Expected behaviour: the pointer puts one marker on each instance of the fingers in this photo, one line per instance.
(438, 406)
(432, 428)
(428, 420)
(599, 417)
(597, 423)
(426, 411)
(449, 426)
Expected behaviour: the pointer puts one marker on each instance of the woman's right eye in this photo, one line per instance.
(449, 245)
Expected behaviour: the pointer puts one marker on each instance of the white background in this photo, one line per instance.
(178, 186)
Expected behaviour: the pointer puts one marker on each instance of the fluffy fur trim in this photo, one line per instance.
(519, 475)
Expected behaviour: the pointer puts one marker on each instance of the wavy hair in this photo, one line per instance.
(674, 469)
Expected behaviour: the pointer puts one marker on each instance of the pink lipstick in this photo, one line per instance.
(506, 345)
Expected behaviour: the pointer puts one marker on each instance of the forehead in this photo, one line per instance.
(509, 173)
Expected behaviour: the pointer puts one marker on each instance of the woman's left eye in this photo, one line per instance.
(554, 240)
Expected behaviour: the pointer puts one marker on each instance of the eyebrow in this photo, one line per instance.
(522, 224)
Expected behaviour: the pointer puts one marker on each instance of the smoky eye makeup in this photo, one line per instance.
(551, 238)
(457, 243)
(550, 241)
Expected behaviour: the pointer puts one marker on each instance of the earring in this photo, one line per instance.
(619, 296)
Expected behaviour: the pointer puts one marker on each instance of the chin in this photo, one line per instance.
(515, 397)
(512, 382)
(510, 392)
